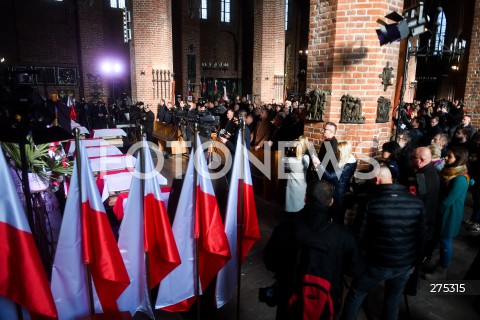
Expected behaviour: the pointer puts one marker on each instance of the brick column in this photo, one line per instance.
(344, 56)
(150, 47)
(472, 86)
(269, 48)
(92, 36)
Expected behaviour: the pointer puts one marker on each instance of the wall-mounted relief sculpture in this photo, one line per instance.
(386, 76)
(383, 108)
(316, 103)
(351, 110)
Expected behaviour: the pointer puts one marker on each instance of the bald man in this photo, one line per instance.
(390, 229)
(426, 185)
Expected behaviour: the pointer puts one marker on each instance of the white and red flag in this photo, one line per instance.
(71, 105)
(86, 238)
(240, 193)
(22, 277)
(145, 228)
(197, 219)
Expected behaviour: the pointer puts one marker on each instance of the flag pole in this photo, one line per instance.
(240, 225)
(142, 204)
(19, 311)
(76, 132)
(197, 236)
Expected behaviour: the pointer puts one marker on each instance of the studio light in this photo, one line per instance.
(412, 23)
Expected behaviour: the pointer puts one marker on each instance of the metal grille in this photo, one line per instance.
(278, 87)
(162, 84)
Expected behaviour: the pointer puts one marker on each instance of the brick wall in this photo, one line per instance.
(43, 34)
(150, 48)
(472, 87)
(269, 47)
(92, 41)
(345, 57)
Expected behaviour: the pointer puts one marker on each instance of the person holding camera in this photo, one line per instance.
(231, 141)
(341, 253)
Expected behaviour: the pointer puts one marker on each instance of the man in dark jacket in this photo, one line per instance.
(390, 228)
(329, 147)
(148, 118)
(426, 185)
(281, 251)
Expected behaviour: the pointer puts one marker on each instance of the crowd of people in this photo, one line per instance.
(413, 205)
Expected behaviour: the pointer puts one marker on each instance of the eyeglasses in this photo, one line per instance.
(325, 130)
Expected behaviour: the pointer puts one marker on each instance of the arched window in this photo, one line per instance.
(440, 33)
(286, 15)
(225, 11)
(117, 4)
(203, 9)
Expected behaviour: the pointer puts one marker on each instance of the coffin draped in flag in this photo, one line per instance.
(145, 228)
(86, 237)
(241, 182)
(22, 277)
(195, 218)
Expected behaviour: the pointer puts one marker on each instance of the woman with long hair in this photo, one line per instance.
(340, 178)
(454, 186)
(296, 169)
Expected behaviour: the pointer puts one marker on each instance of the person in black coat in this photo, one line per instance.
(280, 132)
(390, 227)
(148, 118)
(329, 139)
(100, 115)
(281, 251)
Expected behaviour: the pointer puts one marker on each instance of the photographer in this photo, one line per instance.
(206, 122)
(238, 121)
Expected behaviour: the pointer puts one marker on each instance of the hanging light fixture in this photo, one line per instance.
(215, 65)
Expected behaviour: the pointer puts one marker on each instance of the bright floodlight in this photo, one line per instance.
(107, 67)
(111, 67)
(117, 67)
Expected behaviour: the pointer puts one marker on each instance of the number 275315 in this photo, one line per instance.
(447, 287)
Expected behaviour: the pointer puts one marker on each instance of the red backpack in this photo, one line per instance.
(311, 299)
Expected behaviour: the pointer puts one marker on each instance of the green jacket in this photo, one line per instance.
(451, 207)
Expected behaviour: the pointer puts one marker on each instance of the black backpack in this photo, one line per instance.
(311, 298)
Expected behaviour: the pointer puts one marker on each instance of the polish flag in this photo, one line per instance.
(73, 114)
(196, 219)
(86, 237)
(241, 181)
(142, 231)
(22, 277)
(225, 95)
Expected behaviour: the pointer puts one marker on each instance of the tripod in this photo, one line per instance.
(212, 149)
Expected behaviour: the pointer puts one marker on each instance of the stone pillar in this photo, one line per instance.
(151, 49)
(472, 86)
(345, 57)
(268, 50)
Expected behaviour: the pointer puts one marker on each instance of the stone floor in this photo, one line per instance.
(423, 306)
